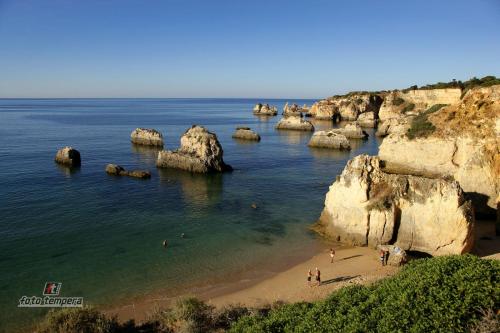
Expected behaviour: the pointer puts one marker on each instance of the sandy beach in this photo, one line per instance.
(350, 265)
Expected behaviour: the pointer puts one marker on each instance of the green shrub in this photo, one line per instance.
(408, 108)
(442, 294)
(398, 101)
(81, 320)
(420, 125)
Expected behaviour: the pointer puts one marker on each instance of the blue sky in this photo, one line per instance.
(289, 49)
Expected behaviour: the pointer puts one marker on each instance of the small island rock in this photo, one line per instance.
(351, 131)
(200, 151)
(265, 109)
(294, 123)
(329, 139)
(114, 169)
(68, 156)
(245, 133)
(147, 137)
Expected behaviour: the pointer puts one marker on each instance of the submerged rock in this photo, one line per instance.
(200, 151)
(294, 123)
(366, 206)
(68, 156)
(245, 133)
(265, 110)
(146, 136)
(351, 131)
(114, 169)
(329, 139)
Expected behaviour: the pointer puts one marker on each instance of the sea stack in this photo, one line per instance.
(245, 133)
(329, 139)
(68, 156)
(146, 137)
(265, 110)
(295, 123)
(200, 151)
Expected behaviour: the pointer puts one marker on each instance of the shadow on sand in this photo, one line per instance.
(339, 279)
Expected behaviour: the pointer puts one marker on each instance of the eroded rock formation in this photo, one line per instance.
(116, 170)
(329, 139)
(294, 123)
(68, 156)
(348, 107)
(351, 131)
(366, 206)
(147, 137)
(265, 110)
(200, 151)
(245, 133)
(464, 146)
(291, 110)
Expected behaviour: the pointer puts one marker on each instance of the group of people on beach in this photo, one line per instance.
(317, 275)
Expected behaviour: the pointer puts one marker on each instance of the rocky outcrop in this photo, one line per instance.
(116, 170)
(347, 107)
(245, 133)
(351, 131)
(265, 110)
(367, 206)
(329, 139)
(294, 123)
(200, 151)
(147, 137)
(68, 156)
(292, 110)
(394, 126)
(465, 146)
(367, 119)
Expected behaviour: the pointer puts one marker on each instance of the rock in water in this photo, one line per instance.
(367, 119)
(329, 139)
(245, 133)
(68, 156)
(294, 123)
(114, 169)
(200, 151)
(147, 137)
(265, 110)
(367, 206)
(351, 131)
(292, 110)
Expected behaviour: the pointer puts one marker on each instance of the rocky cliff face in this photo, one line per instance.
(464, 146)
(367, 206)
(200, 151)
(348, 107)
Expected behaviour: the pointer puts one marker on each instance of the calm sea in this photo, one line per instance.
(101, 236)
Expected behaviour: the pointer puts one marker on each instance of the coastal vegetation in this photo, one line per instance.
(420, 125)
(474, 82)
(398, 101)
(441, 294)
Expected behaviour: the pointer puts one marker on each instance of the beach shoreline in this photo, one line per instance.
(352, 265)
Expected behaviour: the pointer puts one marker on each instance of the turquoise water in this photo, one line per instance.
(101, 235)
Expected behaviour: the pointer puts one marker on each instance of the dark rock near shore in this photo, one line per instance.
(114, 169)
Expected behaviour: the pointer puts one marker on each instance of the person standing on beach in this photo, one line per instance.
(382, 257)
(309, 277)
(318, 277)
(332, 255)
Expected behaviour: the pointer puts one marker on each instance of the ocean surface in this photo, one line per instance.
(101, 235)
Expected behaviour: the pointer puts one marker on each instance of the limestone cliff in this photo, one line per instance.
(367, 206)
(463, 144)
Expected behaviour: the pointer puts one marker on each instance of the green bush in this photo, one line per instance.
(81, 320)
(408, 108)
(398, 101)
(420, 125)
(443, 294)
